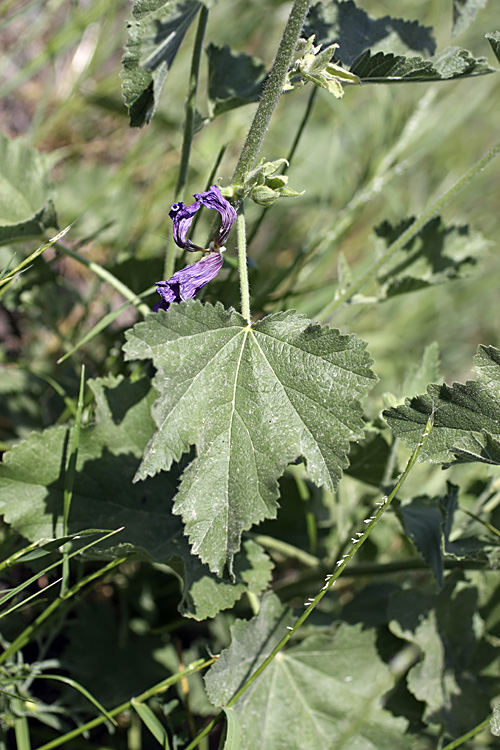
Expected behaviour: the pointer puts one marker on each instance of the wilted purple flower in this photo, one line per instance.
(183, 215)
(187, 282)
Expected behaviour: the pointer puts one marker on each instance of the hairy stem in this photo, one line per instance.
(272, 91)
(242, 264)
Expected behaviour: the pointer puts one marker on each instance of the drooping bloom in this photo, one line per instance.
(183, 215)
(187, 282)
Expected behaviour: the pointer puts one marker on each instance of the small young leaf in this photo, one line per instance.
(464, 12)
(466, 418)
(355, 31)
(152, 722)
(253, 399)
(327, 689)
(26, 209)
(155, 35)
(233, 79)
(436, 255)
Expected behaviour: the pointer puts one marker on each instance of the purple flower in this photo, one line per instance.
(183, 215)
(187, 282)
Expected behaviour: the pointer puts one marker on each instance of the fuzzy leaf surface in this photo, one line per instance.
(156, 32)
(104, 496)
(252, 399)
(26, 208)
(327, 689)
(466, 417)
(234, 79)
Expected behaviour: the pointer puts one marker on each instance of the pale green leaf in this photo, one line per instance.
(26, 208)
(233, 737)
(234, 79)
(464, 12)
(324, 693)
(32, 490)
(156, 32)
(466, 418)
(427, 371)
(253, 399)
(437, 254)
(495, 720)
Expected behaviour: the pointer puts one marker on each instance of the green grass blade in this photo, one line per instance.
(151, 722)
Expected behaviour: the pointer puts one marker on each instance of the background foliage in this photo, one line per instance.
(186, 493)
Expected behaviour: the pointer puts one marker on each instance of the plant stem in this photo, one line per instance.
(272, 91)
(146, 695)
(411, 232)
(187, 139)
(242, 264)
(106, 276)
(69, 481)
(289, 156)
(330, 581)
(460, 740)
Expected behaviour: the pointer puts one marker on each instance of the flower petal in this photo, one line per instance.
(182, 216)
(187, 282)
(213, 198)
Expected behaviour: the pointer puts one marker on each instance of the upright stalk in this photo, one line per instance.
(242, 262)
(272, 91)
(258, 128)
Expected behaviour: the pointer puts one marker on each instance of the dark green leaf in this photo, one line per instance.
(436, 255)
(447, 630)
(466, 417)
(32, 487)
(155, 35)
(368, 459)
(233, 79)
(494, 40)
(355, 31)
(423, 522)
(252, 399)
(384, 67)
(26, 209)
(327, 689)
(464, 12)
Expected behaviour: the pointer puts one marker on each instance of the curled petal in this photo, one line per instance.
(213, 198)
(182, 216)
(187, 282)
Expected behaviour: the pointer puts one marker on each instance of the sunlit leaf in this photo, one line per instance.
(327, 689)
(252, 398)
(466, 417)
(464, 12)
(156, 32)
